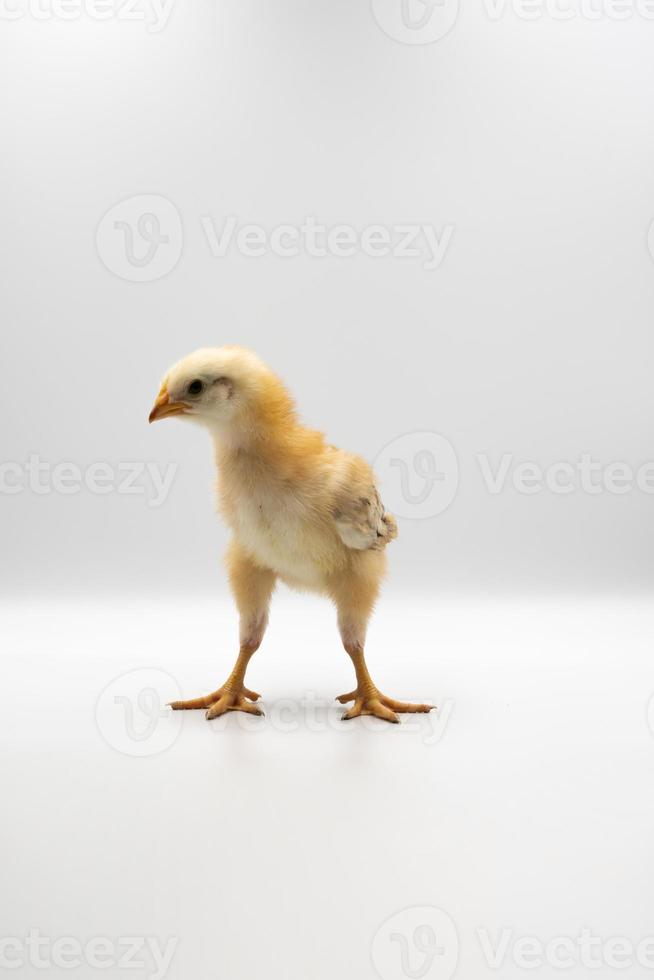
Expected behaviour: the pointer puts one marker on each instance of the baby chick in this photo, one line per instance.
(299, 510)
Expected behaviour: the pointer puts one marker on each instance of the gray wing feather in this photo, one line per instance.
(361, 521)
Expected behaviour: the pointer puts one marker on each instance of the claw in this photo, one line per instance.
(220, 701)
(371, 706)
(231, 703)
(377, 704)
(408, 708)
(194, 702)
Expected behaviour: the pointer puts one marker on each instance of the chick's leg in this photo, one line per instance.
(252, 588)
(353, 614)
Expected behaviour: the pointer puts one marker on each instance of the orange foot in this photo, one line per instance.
(373, 702)
(223, 700)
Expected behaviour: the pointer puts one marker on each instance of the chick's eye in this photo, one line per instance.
(195, 387)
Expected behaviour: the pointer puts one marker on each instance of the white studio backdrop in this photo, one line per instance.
(434, 228)
(435, 221)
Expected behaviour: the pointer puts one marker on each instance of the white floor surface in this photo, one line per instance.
(512, 828)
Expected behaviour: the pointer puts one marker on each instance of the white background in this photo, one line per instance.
(281, 851)
(533, 339)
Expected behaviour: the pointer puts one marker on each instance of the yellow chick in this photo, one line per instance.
(299, 510)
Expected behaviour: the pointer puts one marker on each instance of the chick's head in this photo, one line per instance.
(224, 388)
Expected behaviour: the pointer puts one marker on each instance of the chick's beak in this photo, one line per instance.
(163, 407)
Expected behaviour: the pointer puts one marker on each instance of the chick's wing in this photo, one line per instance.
(358, 511)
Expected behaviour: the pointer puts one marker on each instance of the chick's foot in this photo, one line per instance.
(223, 700)
(373, 702)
